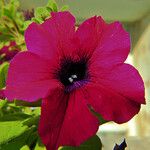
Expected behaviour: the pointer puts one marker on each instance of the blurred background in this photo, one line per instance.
(135, 16)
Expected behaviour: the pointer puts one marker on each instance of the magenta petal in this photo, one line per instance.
(51, 37)
(29, 77)
(125, 80)
(111, 105)
(52, 116)
(39, 42)
(79, 123)
(120, 92)
(66, 123)
(113, 48)
(89, 34)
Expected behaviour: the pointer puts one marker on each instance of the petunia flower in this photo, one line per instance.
(74, 72)
(8, 52)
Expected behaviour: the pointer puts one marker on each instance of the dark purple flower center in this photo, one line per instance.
(73, 74)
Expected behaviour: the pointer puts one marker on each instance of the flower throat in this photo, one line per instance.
(72, 72)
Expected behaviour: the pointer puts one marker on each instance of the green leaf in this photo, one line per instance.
(93, 143)
(5, 37)
(2, 103)
(3, 74)
(41, 13)
(10, 130)
(39, 145)
(14, 117)
(7, 13)
(12, 112)
(17, 142)
(17, 130)
(14, 6)
(37, 20)
(37, 111)
(64, 8)
(25, 147)
(26, 24)
(29, 104)
(52, 5)
(32, 121)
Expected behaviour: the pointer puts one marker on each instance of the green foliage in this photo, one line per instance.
(52, 6)
(3, 74)
(11, 23)
(14, 133)
(93, 143)
(17, 142)
(64, 8)
(18, 126)
(5, 37)
(39, 145)
(42, 13)
(27, 23)
(10, 130)
(26, 147)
